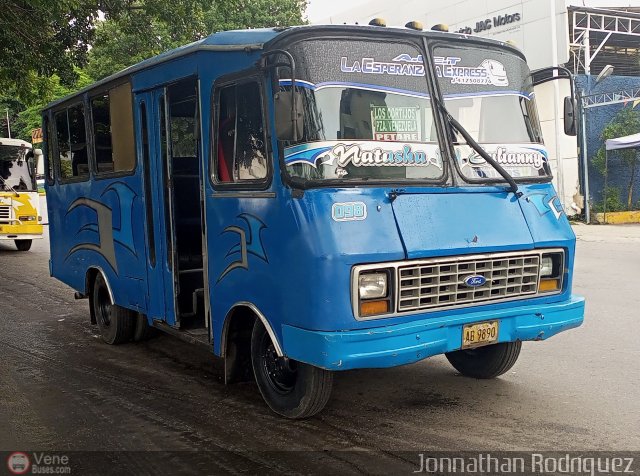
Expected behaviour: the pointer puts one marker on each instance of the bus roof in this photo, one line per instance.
(14, 142)
(261, 38)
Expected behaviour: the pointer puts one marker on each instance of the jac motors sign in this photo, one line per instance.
(489, 23)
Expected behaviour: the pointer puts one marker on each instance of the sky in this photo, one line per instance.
(319, 10)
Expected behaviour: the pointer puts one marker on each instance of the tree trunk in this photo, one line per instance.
(631, 181)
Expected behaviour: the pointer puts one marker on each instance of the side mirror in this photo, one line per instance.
(570, 119)
(289, 121)
(39, 161)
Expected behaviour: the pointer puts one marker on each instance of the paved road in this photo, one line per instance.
(61, 388)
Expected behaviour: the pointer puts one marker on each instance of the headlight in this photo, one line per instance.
(551, 271)
(372, 285)
(27, 218)
(546, 266)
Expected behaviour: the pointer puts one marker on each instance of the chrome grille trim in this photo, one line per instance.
(5, 213)
(395, 267)
(439, 283)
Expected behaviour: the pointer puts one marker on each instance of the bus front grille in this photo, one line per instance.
(5, 213)
(440, 283)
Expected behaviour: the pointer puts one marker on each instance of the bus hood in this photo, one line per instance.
(445, 224)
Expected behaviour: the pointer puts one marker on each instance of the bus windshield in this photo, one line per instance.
(368, 115)
(489, 91)
(16, 169)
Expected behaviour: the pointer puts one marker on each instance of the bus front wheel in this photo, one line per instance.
(290, 388)
(141, 329)
(486, 362)
(23, 245)
(116, 323)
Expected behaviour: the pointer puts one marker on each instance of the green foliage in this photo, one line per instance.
(44, 44)
(239, 14)
(625, 123)
(613, 201)
(29, 117)
(40, 38)
(118, 46)
(154, 26)
(145, 30)
(599, 162)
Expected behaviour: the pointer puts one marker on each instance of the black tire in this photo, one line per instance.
(485, 362)
(115, 322)
(23, 245)
(290, 388)
(141, 328)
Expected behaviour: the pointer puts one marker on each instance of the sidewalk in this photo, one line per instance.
(608, 233)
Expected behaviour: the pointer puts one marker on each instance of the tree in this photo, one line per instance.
(154, 26)
(625, 123)
(40, 38)
(44, 44)
(30, 118)
(120, 44)
(144, 30)
(239, 14)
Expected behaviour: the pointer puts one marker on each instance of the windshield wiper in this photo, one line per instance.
(513, 186)
(6, 185)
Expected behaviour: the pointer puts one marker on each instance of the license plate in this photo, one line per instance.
(481, 333)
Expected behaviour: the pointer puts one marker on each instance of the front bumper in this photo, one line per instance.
(20, 232)
(406, 343)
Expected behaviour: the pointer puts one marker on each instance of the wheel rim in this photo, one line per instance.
(104, 307)
(280, 373)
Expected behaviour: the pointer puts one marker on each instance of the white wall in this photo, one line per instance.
(542, 33)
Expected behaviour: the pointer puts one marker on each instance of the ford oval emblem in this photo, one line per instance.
(474, 281)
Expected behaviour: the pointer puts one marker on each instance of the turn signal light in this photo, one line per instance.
(369, 308)
(547, 285)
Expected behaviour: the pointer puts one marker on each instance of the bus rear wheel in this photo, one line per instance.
(116, 323)
(290, 388)
(486, 362)
(23, 245)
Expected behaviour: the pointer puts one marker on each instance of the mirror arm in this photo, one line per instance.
(552, 69)
(292, 66)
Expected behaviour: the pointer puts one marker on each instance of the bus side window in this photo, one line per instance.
(112, 118)
(226, 133)
(72, 143)
(241, 151)
(62, 136)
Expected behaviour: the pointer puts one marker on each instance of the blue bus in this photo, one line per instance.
(313, 199)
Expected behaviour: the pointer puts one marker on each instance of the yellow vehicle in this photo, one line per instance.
(20, 217)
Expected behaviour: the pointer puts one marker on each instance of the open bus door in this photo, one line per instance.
(151, 124)
(172, 161)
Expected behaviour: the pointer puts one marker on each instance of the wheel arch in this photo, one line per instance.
(90, 277)
(243, 308)
(235, 339)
